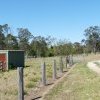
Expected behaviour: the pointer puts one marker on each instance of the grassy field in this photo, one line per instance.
(80, 84)
(32, 75)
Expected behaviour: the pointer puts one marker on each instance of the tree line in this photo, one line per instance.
(39, 46)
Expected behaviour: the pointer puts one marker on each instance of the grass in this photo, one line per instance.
(32, 75)
(80, 84)
(97, 63)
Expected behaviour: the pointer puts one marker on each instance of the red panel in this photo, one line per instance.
(3, 57)
(3, 61)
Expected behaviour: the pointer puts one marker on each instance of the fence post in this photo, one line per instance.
(20, 83)
(61, 65)
(43, 66)
(71, 60)
(66, 61)
(54, 70)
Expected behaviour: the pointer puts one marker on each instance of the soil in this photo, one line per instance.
(94, 67)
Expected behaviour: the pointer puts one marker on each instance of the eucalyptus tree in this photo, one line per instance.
(39, 46)
(12, 42)
(92, 35)
(78, 48)
(63, 47)
(24, 36)
(4, 29)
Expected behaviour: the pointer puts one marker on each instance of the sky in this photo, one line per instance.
(61, 19)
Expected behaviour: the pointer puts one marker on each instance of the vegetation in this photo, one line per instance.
(80, 84)
(92, 42)
(32, 77)
(46, 46)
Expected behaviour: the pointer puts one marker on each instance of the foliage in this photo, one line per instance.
(75, 87)
(39, 46)
(24, 36)
(78, 48)
(92, 35)
(63, 48)
(2, 37)
(11, 42)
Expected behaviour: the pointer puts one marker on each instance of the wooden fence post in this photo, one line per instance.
(66, 61)
(54, 70)
(61, 65)
(20, 83)
(43, 66)
(71, 60)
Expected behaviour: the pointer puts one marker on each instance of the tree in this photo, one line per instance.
(5, 32)
(92, 35)
(6, 29)
(24, 35)
(12, 42)
(78, 48)
(39, 46)
(63, 48)
(2, 37)
(51, 51)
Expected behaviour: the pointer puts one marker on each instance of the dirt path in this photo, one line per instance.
(94, 66)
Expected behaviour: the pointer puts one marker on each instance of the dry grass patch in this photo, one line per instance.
(81, 84)
(32, 75)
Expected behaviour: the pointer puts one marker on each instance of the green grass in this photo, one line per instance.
(80, 84)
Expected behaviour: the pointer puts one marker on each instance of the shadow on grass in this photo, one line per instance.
(37, 98)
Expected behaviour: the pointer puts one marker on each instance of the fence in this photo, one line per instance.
(43, 70)
(57, 67)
